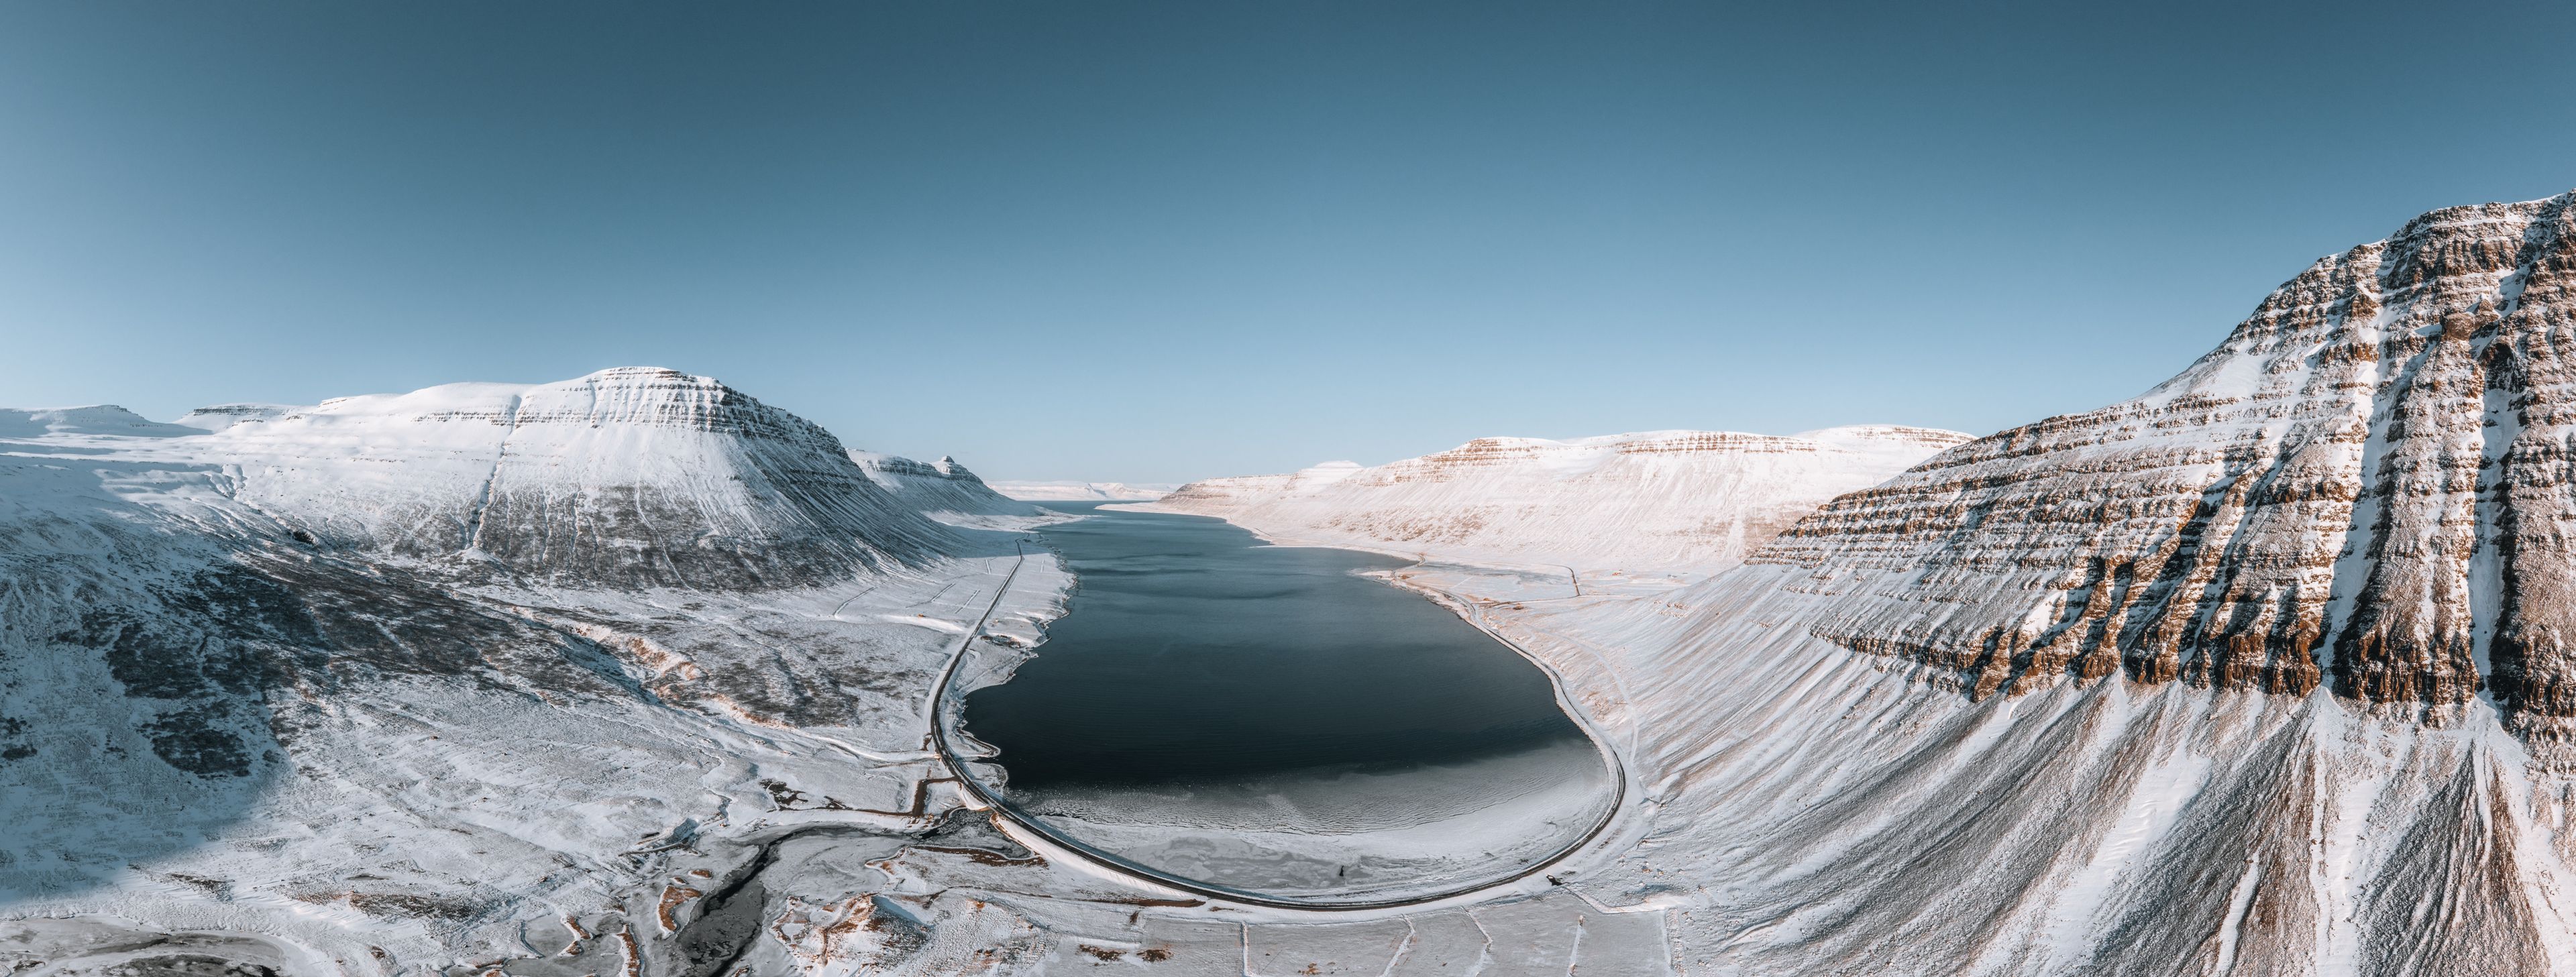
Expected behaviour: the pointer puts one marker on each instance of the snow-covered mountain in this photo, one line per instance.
(943, 488)
(1084, 491)
(2260, 672)
(1661, 499)
(628, 477)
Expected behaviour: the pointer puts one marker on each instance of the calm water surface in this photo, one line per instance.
(1264, 717)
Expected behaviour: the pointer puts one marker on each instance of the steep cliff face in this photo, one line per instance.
(1663, 499)
(2369, 480)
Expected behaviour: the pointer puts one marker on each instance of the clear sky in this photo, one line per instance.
(1111, 240)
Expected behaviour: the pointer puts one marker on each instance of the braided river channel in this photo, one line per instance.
(1263, 719)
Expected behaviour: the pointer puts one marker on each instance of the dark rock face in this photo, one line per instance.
(2368, 479)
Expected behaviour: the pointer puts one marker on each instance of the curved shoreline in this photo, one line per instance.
(1002, 807)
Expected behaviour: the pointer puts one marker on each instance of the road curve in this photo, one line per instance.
(939, 736)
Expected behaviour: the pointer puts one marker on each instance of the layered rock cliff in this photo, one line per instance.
(1663, 499)
(2368, 481)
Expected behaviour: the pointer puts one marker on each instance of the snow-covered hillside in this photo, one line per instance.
(469, 674)
(1083, 491)
(1658, 500)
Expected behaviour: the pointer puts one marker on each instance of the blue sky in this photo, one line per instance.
(1160, 241)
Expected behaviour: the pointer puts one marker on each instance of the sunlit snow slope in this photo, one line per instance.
(1663, 499)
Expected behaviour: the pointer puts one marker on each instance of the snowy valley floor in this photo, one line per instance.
(1792, 807)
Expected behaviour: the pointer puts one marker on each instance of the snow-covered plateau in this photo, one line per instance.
(1624, 503)
(2263, 671)
(1065, 491)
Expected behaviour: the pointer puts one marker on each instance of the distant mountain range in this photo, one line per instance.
(1083, 491)
(1657, 500)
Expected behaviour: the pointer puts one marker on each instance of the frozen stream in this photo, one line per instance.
(1263, 718)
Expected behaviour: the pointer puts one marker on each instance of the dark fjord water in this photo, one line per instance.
(1264, 718)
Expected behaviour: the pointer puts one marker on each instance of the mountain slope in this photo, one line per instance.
(2241, 625)
(2369, 476)
(1663, 499)
(627, 477)
(406, 678)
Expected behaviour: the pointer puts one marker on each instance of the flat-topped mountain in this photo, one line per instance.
(1659, 499)
(627, 477)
